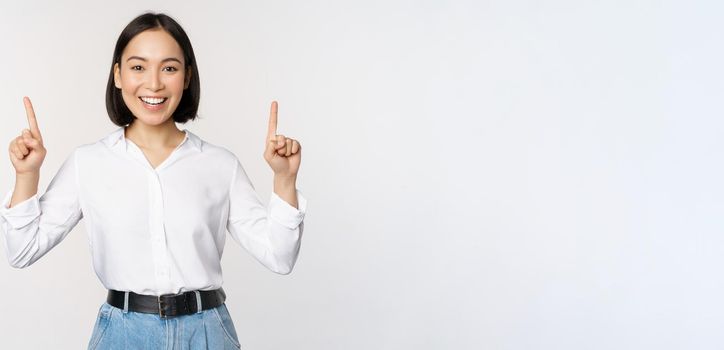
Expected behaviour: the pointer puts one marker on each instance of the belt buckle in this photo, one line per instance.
(160, 307)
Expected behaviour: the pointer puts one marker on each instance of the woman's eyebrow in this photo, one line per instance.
(145, 60)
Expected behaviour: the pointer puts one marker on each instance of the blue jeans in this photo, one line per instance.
(208, 329)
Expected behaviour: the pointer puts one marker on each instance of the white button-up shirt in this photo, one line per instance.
(155, 231)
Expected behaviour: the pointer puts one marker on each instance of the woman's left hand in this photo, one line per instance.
(282, 153)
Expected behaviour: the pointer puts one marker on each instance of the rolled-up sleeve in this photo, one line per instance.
(271, 234)
(37, 224)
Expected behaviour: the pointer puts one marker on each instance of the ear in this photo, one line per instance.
(187, 78)
(117, 75)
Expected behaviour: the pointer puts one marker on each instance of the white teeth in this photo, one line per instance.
(153, 101)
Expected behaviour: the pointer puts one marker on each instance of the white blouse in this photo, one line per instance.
(154, 231)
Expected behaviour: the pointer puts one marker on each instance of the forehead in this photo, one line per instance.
(153, 44)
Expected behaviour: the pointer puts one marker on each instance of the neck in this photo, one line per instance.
(165, 135)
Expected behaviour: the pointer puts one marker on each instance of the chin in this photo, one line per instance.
(151, 121)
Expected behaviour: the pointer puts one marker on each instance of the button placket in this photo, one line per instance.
(157, 230)
(158, 233)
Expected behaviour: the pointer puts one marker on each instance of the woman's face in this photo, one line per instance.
(151, 76)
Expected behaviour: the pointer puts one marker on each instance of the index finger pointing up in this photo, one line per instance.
(271, 134)
(32, 122)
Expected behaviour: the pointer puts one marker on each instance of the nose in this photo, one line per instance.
(154, 80)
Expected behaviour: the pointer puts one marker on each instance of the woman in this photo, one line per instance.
(157, 201)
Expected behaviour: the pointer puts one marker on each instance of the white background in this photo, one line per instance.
(481, 175)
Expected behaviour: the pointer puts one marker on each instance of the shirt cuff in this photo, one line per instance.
(21, 214)
(284, 213)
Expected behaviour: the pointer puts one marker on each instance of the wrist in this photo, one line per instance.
(282, 183)
(29, 176)
(287, 178)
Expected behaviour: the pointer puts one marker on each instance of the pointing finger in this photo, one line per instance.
(272, 121)
(32, 121)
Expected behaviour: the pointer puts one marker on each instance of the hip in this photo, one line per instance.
(208, 329)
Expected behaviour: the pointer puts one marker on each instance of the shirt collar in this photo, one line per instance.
(118, 136)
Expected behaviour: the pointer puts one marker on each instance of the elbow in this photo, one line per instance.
(283, 261)
(284, 267)
(19, 264)
(22, 261)
(284, 270)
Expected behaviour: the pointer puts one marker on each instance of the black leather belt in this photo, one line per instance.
(169, 304)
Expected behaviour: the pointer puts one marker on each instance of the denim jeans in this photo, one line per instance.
(209, 329)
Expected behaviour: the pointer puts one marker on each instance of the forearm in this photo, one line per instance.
(286, 189)
(26, 185)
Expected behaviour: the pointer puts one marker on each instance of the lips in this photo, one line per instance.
(153, 103)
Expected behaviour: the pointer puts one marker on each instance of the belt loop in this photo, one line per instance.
(125, 302)
(198, 302)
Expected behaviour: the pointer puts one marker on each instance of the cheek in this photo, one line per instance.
(128, 92)
(175, 83)
(129, 84)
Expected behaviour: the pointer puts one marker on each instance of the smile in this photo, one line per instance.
(153, 101)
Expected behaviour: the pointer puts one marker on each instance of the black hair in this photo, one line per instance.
(189, 104)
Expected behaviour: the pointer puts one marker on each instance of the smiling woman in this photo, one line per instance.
(154, 76)
(153, 52)
(158, 201)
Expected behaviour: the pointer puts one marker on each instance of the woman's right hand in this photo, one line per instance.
(27, 151)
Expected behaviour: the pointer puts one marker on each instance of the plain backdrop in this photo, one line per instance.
(487, 174)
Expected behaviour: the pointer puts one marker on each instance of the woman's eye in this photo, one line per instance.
(136, 68)
(171, 69)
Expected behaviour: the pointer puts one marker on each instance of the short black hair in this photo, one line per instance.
(189, 104)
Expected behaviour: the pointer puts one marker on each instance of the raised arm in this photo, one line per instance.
(34, 225)
(272, 234)
(27, 154)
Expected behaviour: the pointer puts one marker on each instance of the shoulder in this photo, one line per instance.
(219, 159)
(106, 141)
(99, 146)
(209, 149)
